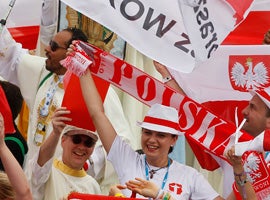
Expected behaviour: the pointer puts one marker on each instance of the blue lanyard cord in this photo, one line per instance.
(165, 177)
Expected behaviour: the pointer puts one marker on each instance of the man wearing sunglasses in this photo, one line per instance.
(55, 178)
(41, 83)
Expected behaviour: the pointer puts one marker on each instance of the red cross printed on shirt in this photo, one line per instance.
(176, 188)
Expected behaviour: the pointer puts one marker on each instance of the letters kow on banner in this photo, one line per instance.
(154, 27)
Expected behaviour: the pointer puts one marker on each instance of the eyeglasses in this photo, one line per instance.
(54, 46)
(77, 139)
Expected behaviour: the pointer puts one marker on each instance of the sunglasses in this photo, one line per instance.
(77, 139)
(54, 46)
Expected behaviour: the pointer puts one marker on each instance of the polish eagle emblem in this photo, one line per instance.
(249, 77)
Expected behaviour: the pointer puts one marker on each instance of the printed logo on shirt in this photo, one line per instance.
(176, 188)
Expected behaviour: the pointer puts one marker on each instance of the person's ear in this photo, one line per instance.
(268, 123)
(175, 139)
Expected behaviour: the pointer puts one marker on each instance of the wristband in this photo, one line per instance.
(119, 195)
(241, 178)
(166, 79)
(167, 196)
(241, 181)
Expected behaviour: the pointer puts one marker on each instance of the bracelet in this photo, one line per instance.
(241, 174)
(166, 79)
(241, 182)
(167, 196)
(119, 195)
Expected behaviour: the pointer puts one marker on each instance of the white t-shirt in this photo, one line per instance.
(183, 182)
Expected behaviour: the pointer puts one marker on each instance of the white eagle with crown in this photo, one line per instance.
(251, 79)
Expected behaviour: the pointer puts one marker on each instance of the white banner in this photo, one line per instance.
(156, 28)
(209, 23)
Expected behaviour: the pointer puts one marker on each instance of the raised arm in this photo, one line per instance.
(94, 105)
(48, 147)
(243, 185)
(13, 169)
(167, 78)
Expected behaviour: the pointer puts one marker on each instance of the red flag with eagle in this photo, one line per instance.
(222, 84)
(215, 83)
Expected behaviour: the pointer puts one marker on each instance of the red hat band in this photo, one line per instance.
(161, 122)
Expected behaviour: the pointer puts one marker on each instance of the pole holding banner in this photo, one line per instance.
(4, 20)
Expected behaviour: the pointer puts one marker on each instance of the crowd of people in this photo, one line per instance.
(50, 162)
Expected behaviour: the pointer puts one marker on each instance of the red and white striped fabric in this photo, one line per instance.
(211, 82)
(23, 21)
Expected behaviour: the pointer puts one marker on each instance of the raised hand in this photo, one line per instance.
(59, 119)
(77, 60)
(143, 187)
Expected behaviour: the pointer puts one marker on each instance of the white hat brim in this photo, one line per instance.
(266, 101)
(159, 128)
(79, 131)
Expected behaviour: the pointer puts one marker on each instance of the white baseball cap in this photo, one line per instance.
(162, 119)
(73, 130)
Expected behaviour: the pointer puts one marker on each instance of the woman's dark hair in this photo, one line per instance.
(77, 34)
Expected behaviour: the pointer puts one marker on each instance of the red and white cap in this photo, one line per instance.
(264, 94)
(162, 119)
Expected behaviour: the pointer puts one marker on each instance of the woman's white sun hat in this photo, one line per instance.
(162, 119)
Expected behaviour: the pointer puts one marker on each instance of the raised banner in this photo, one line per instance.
(154, 27)
(209, 135)
(222, 83)
(208, 22)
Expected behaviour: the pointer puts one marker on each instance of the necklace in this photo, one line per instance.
(165, 176)
(153, 171)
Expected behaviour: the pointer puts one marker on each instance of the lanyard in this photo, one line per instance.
(165, 177)
(44, 111)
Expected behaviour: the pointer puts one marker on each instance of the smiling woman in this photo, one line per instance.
(160, 132)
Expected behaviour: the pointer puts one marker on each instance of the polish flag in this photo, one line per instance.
(23, 21)
(211, 82)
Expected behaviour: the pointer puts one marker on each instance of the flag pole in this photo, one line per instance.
(4, 21)
(238, 130)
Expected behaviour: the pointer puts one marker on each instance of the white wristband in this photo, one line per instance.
(166, 79)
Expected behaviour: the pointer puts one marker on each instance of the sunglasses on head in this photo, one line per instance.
(54, 46)
(78, 139)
